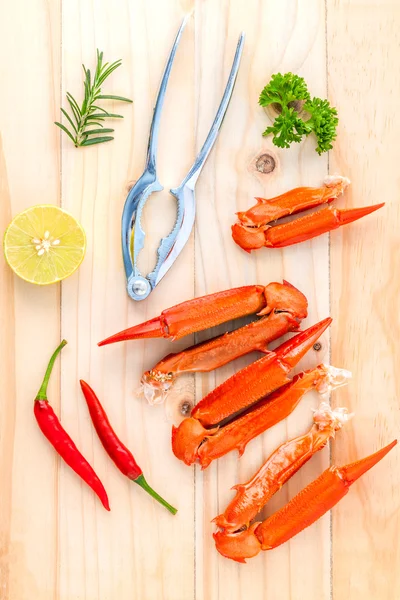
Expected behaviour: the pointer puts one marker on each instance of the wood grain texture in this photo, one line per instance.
(56, 540)
(295, 41)
(7, 377)
(30, 45)
(363, 43)
(132, 551)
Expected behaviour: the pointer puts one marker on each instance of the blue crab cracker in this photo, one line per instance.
(133, 236)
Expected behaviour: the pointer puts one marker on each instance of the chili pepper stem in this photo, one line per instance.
(143, 484)
(42, 393)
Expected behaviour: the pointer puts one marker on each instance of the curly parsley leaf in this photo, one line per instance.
(289, 126)
(283, 89)
(323, 123)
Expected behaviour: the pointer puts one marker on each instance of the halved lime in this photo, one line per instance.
(44, 244)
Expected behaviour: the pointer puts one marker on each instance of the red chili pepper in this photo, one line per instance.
(117, 451)
(59, 438)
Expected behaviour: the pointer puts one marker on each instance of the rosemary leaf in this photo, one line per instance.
(92, 131)
(94, 108)
(108, 115)
(98, 140)
(72, 100)
(99, 64)
(86, 99)
(102, 68)
(75, 111)
(94, 123)
(64, 112)
(61, 126)
(108, 71)
(109, 97)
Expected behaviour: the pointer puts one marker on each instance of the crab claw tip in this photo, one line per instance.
(353, 471)
(353, 214)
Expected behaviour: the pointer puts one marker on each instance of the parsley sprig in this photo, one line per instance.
(287, 91)
(86, 121)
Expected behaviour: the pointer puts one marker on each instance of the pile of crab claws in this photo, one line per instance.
(258, 379)
(251, 401)
(245, 399)
(281, 307)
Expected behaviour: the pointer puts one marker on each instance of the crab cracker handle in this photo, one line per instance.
(138, 287)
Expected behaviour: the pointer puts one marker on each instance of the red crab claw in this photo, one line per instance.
(279, 467)
(293, 201)
(214, 309)
(254, 228)
(258, 379)
(302, 511)
(313, 225)
(299, 230)
(315, 500)
(216, 352)
(194, 439)
(268, 412)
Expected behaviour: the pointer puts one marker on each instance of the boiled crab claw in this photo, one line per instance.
(254, 228)
(302, 511)
(197, 436)
(279, 467)
(258, 379)
(214, 309)
(218, 351)
(268, 412)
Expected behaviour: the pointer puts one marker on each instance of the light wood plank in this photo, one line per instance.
(364, 83)
(139, 550)
(7, 377)
(294, 39)
(29, 58)
(56, 541)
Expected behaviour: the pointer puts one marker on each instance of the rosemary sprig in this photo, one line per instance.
(87, 120)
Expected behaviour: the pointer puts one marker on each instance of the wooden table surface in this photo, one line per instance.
(56, 540)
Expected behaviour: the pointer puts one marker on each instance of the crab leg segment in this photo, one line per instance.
(258, 379)
(214, 309)
(299, 230)
(293, 202)
(216, 352)
(313, 225)
(302, 511)
(268, 412)
(315, 500)
(191, 441)
(279, 467)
